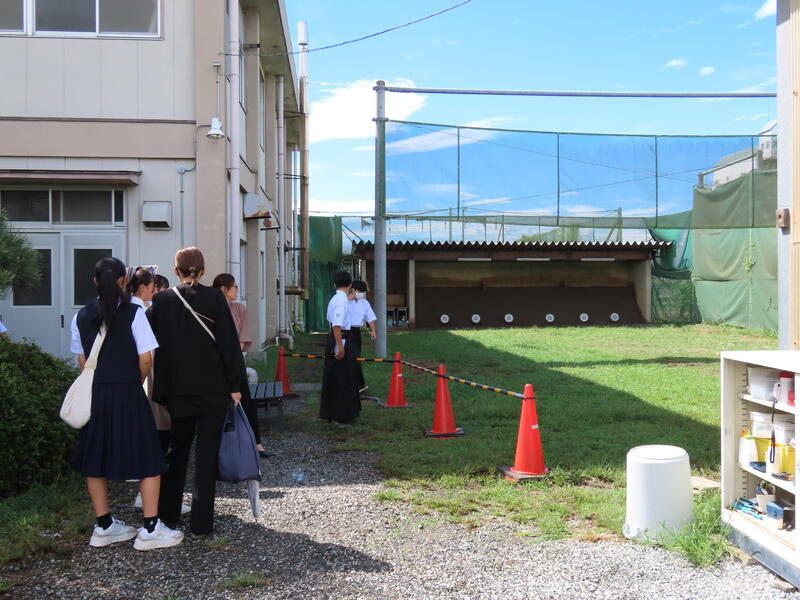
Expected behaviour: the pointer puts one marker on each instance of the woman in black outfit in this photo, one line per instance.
(198, 378)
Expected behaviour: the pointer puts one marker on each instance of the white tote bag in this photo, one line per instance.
(77, 406)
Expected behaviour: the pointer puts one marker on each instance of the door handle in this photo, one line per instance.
(62, 321)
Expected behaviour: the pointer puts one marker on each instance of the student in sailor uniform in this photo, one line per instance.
(339, 400)
(120, 441)
(360, 311)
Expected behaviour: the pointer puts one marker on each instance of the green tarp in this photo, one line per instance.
(325, 256)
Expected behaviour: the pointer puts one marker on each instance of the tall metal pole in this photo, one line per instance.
(284, 214)
(380, 220)
(302, 35)
(235, 205)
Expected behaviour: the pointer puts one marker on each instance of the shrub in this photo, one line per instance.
(36, 445)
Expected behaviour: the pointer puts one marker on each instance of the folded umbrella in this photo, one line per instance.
(238, 458)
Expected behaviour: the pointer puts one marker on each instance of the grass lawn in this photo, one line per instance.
(599, 392)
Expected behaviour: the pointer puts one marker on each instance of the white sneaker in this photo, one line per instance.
(161, 537)
(116, 532)
(185, 509)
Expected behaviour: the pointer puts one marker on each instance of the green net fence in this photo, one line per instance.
(714, 197)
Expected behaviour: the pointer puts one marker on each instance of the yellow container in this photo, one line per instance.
(762, 445)
(784, 456)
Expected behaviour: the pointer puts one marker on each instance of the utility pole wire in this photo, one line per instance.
(372, 35)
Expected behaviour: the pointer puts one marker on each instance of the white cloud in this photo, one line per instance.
(705, 71)
(446, 138)
(365, 206)
(675, 63)
(347, 110)
(759, 116)
(768, 9)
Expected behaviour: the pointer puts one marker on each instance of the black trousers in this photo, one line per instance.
(354, 340)
(203, 418)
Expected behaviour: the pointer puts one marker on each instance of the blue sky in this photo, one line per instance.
(528, 44)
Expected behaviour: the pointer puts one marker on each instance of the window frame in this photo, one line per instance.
(50, 223)
(29, 26)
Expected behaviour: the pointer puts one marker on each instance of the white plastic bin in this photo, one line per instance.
(659, 496)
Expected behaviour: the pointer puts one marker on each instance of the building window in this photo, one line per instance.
(81, 18)
(64, 207)
(83, 261)
(30, 206)
(40, 294)
(12, 16)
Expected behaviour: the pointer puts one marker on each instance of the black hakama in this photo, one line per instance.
(354, 341)
(339, 400)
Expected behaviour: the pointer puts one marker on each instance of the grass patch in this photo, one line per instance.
(44, 519)
(599, 391)
(221, 542)
(703, 541)
(244, 579)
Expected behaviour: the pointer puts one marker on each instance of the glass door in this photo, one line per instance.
(34, 314)
(81, 251)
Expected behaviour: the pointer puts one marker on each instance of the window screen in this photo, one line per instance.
(11, 15)
(119, 207)
(129, 16)
(40, 294)
(83, 263)
(65, 15)
(82, 206)
(26, 205)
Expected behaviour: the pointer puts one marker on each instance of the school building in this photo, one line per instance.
(136, 127)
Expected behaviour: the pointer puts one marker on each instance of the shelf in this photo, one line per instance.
(763, 529)
(768, 403)
(780, 360)
(787, 486)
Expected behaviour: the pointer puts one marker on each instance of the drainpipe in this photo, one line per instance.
(302, 38)
(182, 171)
(235, 225)
(283, 331)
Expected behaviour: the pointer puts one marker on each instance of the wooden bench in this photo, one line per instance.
(267, 394)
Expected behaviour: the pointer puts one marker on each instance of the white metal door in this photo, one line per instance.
(35, 314)
(81, 251)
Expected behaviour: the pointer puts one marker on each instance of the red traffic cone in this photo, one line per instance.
(529, 460)
(444, 425)
(397, 390)
(281, 373)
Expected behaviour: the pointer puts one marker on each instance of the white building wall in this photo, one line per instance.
(106, 78)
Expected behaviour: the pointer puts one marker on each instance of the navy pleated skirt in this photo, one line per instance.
(120, 440)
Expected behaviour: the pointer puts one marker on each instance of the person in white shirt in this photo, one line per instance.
(360, 312)
(141, 287)
(339, 400)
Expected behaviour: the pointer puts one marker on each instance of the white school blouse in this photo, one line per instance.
(142, 334)
(338, 313)
(360, 311)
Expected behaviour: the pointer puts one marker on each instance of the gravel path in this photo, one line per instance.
(325, 537)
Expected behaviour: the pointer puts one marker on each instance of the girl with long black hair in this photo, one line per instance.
(120, 441)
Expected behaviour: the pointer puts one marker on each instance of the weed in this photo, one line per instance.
(244, 579)
(703, 540)
(217, 543)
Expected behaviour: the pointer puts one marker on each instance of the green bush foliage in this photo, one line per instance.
(36, 445)
(19, 262)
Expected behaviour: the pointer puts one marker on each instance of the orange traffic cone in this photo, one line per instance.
(444, 425)
(397, 390)
(529, 460)
(281, 373)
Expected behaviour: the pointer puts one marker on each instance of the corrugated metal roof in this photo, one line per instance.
(466, 246)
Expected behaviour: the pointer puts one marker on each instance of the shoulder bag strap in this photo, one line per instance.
(91, 362)
(191, 310)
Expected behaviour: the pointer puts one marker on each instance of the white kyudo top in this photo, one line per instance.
(142, 333)
(338, 314)
(360, 311)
